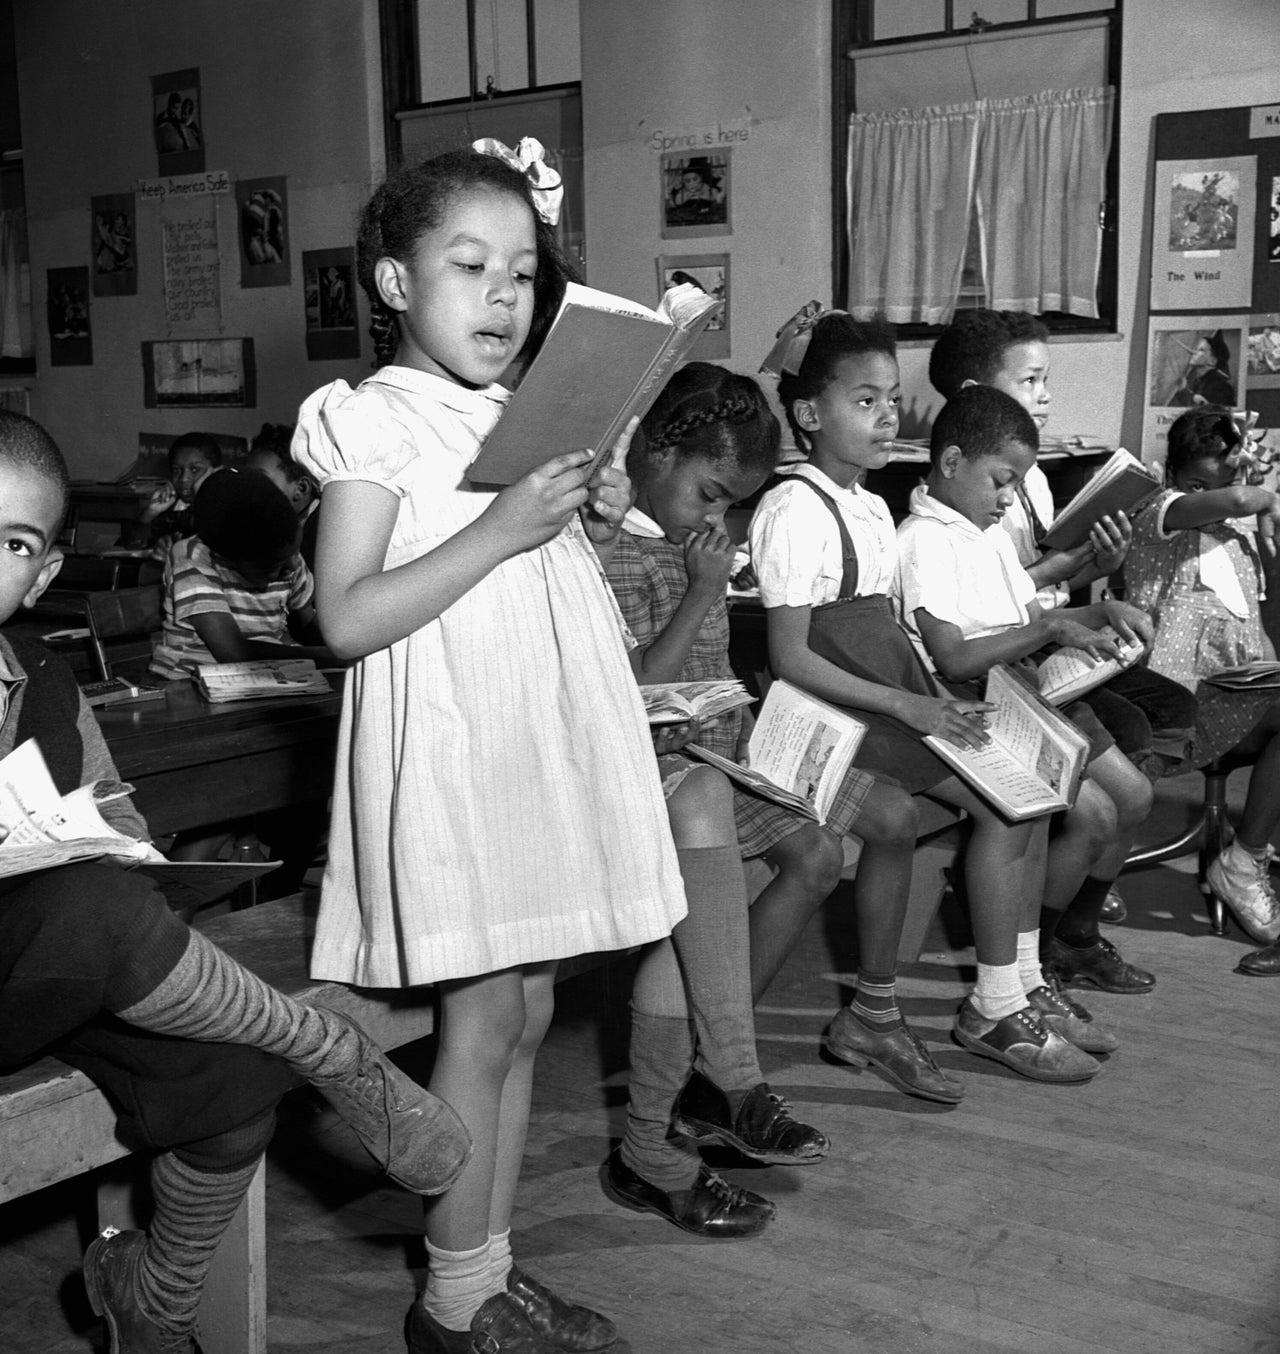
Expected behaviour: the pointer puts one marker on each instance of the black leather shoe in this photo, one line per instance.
(565, 1324)
(1058, 1012)
(499, 1327)
(109, 1267)
(1261, 963)
(763, 1128)
(1098, 966)
(1113, 909)
(711, 1207)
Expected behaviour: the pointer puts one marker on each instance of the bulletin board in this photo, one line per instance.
(1214, 331)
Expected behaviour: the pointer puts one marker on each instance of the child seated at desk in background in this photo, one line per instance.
(269, 455)
(193, 1051)
(968, 605)
(168, 515)
(237, 589)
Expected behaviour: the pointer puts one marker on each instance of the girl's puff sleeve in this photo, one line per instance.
(346, 434)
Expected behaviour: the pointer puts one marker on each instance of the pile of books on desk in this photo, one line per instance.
(220, 682)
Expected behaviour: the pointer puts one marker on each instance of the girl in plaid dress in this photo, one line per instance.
(709, 441)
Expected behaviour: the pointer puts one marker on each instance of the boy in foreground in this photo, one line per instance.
(969, 604)
(193, 1051)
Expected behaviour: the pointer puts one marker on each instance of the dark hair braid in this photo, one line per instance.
(413, 200)
(1206, 432)
(706, 411)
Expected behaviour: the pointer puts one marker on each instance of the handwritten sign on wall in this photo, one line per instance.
(192, 295)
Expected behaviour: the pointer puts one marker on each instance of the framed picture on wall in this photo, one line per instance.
(696, 194)
(329, 300)
(176, 121)
(710, 272)
(199, 374)
(70, 336)
(262, 206)
(1191, 360)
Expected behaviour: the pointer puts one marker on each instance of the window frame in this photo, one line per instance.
(852, 27)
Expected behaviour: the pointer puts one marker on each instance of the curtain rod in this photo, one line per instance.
(966, 39)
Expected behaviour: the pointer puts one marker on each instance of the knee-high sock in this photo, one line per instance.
(195, 1201)
(713, 944)
(210, 998)
(661, 1058)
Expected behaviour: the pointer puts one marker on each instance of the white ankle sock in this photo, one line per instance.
(999, 991)
(458, 1285)
(1029, 971)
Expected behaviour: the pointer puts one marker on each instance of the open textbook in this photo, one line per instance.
(603, 363)
(799, 752)
(1035, 758)
(679, 702)
(1261, 675)
(40, 829)
(1069, 673)
(1122, 484)
(219, 682)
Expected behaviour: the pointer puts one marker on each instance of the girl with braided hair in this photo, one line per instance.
(709, 441)
(496, 807)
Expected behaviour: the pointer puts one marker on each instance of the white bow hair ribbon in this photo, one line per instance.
(528, 159)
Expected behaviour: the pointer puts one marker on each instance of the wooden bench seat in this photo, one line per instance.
(56, 1124)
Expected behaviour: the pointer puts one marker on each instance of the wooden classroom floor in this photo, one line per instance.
(1135, 1213)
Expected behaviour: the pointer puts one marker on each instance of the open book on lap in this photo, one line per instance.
(1034, 760)
(1122, 484)
(1067, 674)
(800, 751)
(680, 702)
(43, 829)
(603, 363)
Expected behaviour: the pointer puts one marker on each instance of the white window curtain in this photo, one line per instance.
(16, 338)
(1042, 164)
(910, 183)
(1032, 168)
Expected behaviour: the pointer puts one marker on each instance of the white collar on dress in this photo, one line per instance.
(637, 523)
(449, 393)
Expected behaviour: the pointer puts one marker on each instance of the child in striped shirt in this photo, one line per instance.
(238, 588)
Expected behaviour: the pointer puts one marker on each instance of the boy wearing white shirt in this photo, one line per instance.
(969, 604)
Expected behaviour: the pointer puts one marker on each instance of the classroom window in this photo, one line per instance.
(975, 159)
(458, 70)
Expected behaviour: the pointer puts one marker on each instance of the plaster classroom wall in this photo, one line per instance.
(675, 66)
(291, 89)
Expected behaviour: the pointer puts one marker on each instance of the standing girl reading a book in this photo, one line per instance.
(496, 806)
(710, 440)
(824, 551)
(1198, 572)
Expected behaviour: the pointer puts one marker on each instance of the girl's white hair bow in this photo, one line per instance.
(528, 158)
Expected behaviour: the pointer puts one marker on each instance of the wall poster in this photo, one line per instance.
(192, 271)
(696, 193)
(70, 339)
(329, 300)
(1191, 360)
(263, 209)
(176, 119)
(1202, 239)
(710, 272)
(113, 244)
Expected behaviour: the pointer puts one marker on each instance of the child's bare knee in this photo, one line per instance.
(813, 856)
(701, 809)
(890, 817)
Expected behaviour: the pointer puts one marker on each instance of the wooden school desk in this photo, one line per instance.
(193, 764)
